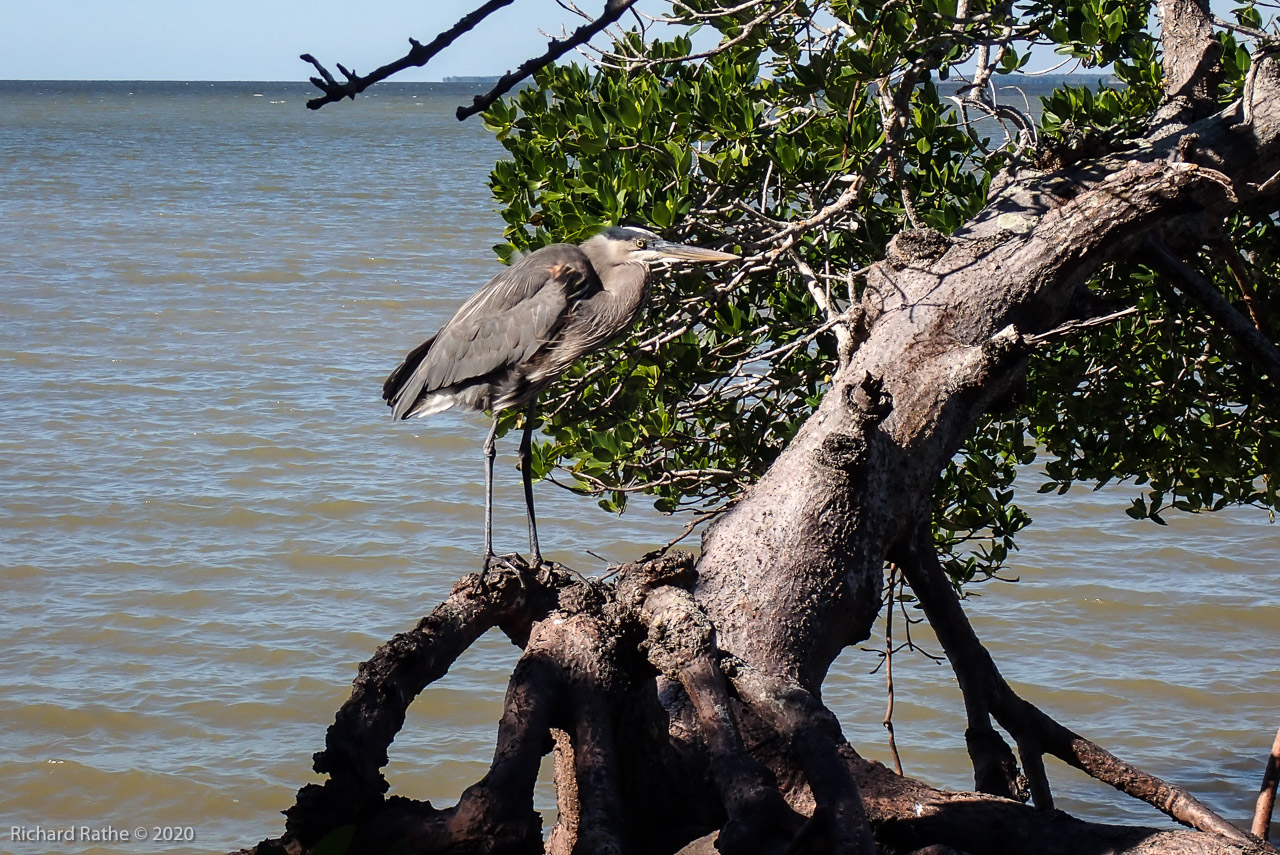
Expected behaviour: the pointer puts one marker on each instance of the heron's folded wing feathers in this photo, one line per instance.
(472, 350)
(397, 379)
(502, 325)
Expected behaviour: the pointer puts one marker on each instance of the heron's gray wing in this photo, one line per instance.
(404, 371)
(499, 335)
(503, 324)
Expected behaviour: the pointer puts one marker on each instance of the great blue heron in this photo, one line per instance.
(523, 329)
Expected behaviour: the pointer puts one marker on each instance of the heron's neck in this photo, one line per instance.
(629, 287)
(624, 286)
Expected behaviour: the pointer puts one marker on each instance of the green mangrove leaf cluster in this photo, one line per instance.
(805, 139)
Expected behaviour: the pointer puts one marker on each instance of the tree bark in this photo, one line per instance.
(689, 695)
(1267, 793)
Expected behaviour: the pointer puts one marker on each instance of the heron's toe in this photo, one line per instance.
(513, 562)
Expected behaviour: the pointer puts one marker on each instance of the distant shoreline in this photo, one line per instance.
(455, 86)
(465, 80)
(58, 81)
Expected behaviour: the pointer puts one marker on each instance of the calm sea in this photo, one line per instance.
(208, 517)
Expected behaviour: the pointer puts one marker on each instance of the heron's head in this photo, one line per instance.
(631, 244)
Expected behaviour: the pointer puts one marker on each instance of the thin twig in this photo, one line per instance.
(1071, 327)
(721, 12)
(689, 529)
(1244, 281)
(838, 320)
(894, 122)
(1257, 35)
(894, 582)
(420, 54)
(747, 29)
(848, 197)
(613, 10)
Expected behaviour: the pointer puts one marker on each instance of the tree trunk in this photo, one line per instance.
(685, 698)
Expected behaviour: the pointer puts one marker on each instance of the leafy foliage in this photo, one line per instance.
(810, 137)
(1162, 398)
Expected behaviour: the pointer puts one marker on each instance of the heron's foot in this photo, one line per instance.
(547, 569)
(542, 568)
(513, 561)
(493, 563)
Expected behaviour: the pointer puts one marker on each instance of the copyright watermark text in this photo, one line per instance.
(100, 833)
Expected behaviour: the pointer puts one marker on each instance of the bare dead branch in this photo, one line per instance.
(1073, 327)
(613, 10)
(980, 96)
(747, 29)
(419, 55)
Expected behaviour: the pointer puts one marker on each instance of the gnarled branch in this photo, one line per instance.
(418, 56)
(356, 743)
(986, 693)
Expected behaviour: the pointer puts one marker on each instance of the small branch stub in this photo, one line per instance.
(1267, 793)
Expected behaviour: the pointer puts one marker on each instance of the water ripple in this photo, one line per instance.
(209, 518)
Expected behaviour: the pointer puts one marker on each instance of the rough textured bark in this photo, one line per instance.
(946, 317)
(1191, 59)
(1267, 793)
(688, 695)
(749, 761)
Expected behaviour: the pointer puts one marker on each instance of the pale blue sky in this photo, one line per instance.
(261, 39)
(243, 40)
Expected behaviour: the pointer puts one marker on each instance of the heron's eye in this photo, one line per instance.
(641, 243)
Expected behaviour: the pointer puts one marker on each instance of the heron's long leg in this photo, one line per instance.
(489, 453)
(526, 471)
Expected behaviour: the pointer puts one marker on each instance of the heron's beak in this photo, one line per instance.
(683, 252)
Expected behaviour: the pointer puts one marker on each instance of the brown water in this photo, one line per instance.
(209, 518)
